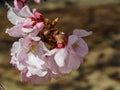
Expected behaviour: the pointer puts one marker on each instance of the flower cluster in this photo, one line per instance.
(43, 51)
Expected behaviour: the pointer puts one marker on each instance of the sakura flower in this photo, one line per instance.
(70, 54)
(73, 53)
(27, 58)
(25, 21)
(35, 72)
(43, 51)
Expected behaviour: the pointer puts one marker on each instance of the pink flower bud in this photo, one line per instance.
(60, 45)
(19, 3)
(37, 14)
(37, 1)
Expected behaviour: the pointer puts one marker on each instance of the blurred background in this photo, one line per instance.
(101, 67)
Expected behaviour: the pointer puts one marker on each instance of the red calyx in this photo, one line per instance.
(37, 20)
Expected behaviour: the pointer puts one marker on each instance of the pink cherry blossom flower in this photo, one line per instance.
(27, 57)
(20, 50)
(73, 53)
(43, 51)
(69, 58)
(25, 21)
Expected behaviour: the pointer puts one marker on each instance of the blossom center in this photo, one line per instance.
(53, 37)
(75, 45)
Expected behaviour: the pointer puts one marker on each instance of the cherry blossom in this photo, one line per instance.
(43, 51)
(27, 58)
(25, 22)
(69, 57)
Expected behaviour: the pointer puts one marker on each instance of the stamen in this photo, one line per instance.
(75, 46)
(53, 37)
(33, 47)
(54, 22)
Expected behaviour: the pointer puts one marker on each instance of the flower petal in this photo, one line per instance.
(72, 39)
(36, 71)
(27, 30)
(13, 18)
(19, 3)
(74, 60)
(65, 70)
(39, 26)
(51, 64)
(34, 60)
(25, 12)
(15, 31)
(15, 48)
(60, 57)
(37, 1)
(81, 48)
(35, 38)
(81, 33)
(35, 79)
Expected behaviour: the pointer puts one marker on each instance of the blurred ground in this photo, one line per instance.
(101, 67)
